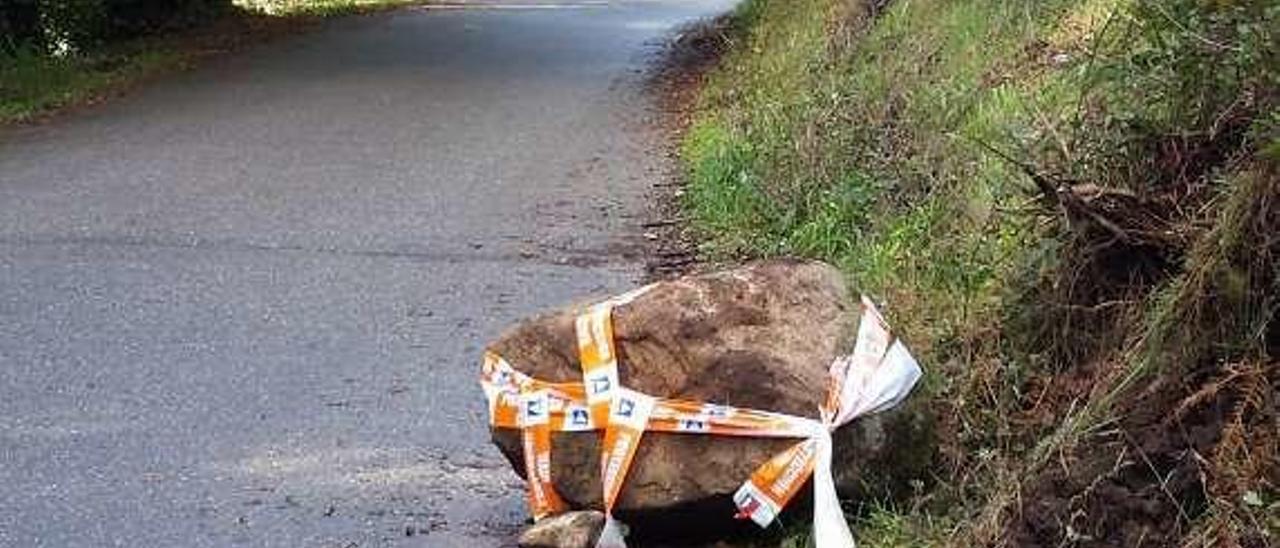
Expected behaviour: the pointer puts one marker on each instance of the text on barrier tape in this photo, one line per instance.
(879, 374)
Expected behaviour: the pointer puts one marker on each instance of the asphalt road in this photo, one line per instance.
(244, 306)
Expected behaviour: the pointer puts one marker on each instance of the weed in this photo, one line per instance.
(32, 83)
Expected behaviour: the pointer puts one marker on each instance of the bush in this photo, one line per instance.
(127, 18)
(19, 24)
(70, 26)
(62, 27)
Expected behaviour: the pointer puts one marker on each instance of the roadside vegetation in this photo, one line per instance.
(1070, 208)
(295, 8)
(60, 53)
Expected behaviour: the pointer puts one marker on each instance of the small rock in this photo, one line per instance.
(567, 530)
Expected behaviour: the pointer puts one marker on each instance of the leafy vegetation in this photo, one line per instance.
(32, 83)
(1065, 203)
(326, 8)
(64, 27)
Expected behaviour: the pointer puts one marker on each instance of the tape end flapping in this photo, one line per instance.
(830, 529)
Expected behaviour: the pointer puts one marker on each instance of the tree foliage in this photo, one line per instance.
(68, 26)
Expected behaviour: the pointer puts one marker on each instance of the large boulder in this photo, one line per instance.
(759, 336)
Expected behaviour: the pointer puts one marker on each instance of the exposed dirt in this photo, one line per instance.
(677, 78)
(1050, 397)
(1134, 485)
(1198, 436)
(1144, 481)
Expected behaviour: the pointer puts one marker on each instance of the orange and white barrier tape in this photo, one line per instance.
(878, 375)
(535, 424)
(628, 419)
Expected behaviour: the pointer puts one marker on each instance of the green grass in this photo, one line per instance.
(888, 527)
(871, 142)
(866, 157)
(34, 84)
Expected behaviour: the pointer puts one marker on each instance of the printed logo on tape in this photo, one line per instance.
(879, 374)
(533, 408)
(577, 419)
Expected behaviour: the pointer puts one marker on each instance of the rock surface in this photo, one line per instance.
(759, 336)
(568, 530)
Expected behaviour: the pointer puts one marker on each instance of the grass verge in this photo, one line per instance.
(34, 84)
(1063, 203)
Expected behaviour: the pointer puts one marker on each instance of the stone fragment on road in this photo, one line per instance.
(578, 529)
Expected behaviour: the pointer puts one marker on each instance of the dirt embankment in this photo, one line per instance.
(1071, 208)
